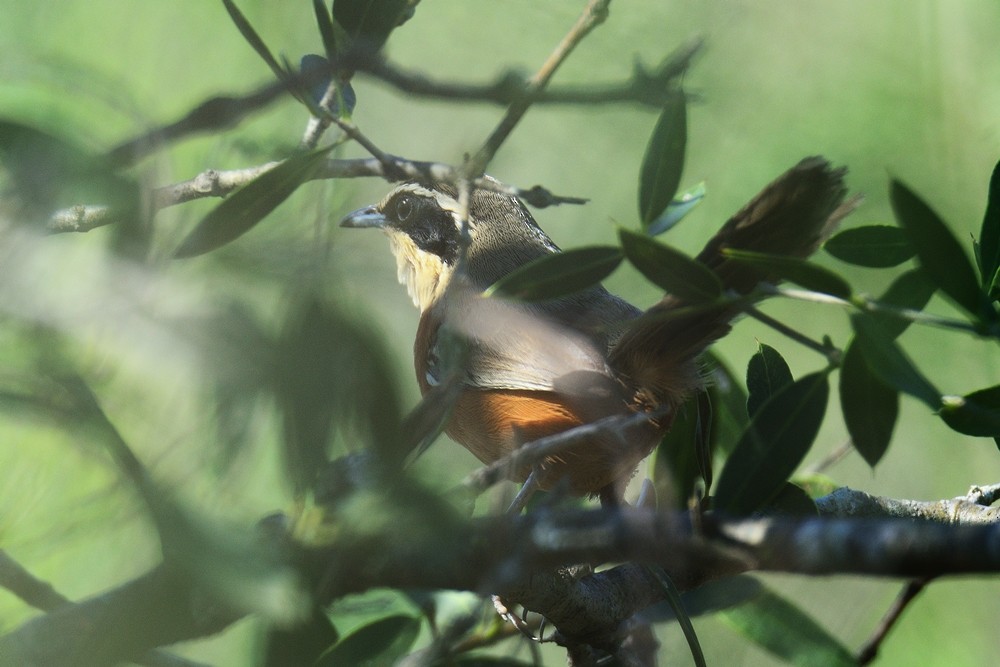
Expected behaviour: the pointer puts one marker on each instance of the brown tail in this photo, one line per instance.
(792, 216)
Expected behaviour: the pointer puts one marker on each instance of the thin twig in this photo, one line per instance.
(869, 651)
(831, 458)
(832, 354)
(984, 495)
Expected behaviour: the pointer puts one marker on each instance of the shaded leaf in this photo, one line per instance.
(680, 614)
(888, 362)
(377, 644)
(299, 645)
(729, 404)
(767, 373)
(664, 160)
(869, 405)
(558, 274)
(371, 21)
(670, 269)
(679, 207)
(989, 237)
(676, 467)
(467, 660)
(937, 249)
(874, 246)
(976, 414)
(775, 442)
(912, 290)
(786, 631)
(243, 209)
(792, 500)
(799, 271)
(324, 21)
(710, 598)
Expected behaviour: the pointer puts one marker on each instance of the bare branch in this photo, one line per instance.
(845, 502)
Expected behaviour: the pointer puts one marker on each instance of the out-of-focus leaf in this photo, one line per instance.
(664, 160)
(371, 21)
(680, 613)
(786, 631)
(799, 271)
(324, 21)
(243, 209)
(976, 414)
(937, 249)
(302, 644)
(558, 274)
(875, 246)
(773, 445)
(679, 207)
(889, 364)
(675, 464)
(467, 660)
(792, 500)
(767, 374)
(816, 485)
(377, 644)
(670, 269)
(989, 237)
(710, 598)
(254, 40)
(869, 405)
(912, 290)
(317, 71)
(729, 404)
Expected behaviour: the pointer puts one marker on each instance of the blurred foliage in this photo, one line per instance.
(237, 376)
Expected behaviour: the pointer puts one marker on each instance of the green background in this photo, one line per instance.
(905, 88)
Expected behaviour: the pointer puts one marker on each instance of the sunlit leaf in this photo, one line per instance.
(670, 269)
(976, 414)
(989, 237)
(875, 246)
(912, 290)
(679, 207)
(243, 209)
(775, 442)
(937, 249)
(786, 631)
(377, 644)
(889, 364)
(559, 274)
(664, 160)
(869, 405)
(799, 271)
(767, 374)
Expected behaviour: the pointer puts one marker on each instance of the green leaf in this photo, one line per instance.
(792, 500)
(767, 373)
(254, 40)
(670, 269)
(729, 404)
(679, 207)
(467, 660)
(371, 21)
(793, 269)
(888, 363)
(976, 414)
(325, 24)
(558, 274)
(243, 209)
(664, 160)
(680, 613)
(869, 405)
(937, 249)
(377, 644)
(989, 237)
(775, 442)
(301, 644)
(786, 631)
(912, 290)
(676, 468)
(874, 246)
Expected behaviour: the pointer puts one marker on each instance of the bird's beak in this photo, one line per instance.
(368, 216)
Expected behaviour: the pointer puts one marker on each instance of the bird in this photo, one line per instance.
(530, 370)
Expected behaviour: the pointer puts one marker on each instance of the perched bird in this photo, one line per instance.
(529, 370)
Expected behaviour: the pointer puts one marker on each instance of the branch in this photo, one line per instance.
(969, 510)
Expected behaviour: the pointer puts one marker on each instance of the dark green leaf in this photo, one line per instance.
(377, 644)
(937, 249)
(559, 274)
(710, 598)
(989, 236)
(664, 160)
(792, 500)
(677, 606)
(875, 246)
(254, 40)
(786, 631)
(889, 364)
(773, 445)
(325, 24)
(869, 405)
(302, 644)
(467, 660)
(371, 21)
(675, 467)
(912, 291)
(975, 414)
(682, 276)
(793, 269)
(243, 209)
(729, 405)
(767, 373)
(679, 207)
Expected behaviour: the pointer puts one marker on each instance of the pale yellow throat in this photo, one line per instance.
(424, 274)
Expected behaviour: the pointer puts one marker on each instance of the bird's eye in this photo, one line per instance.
(404, 208)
